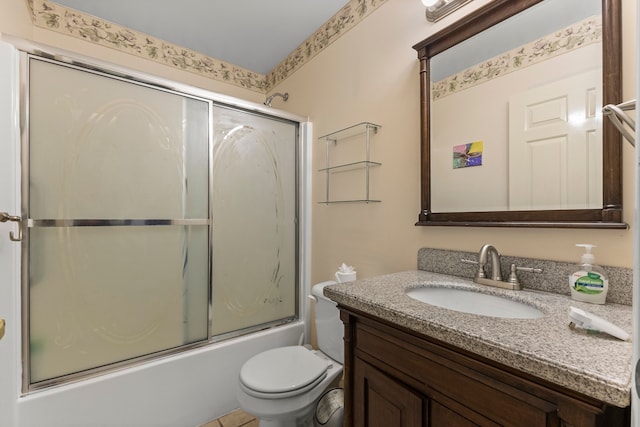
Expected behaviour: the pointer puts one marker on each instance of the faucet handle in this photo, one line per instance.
(513, 276)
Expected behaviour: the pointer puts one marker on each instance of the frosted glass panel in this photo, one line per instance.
(106, 148)
(100, 295)
(254, 220)
(102, 149)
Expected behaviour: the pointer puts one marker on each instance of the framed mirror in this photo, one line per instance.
(512, 132)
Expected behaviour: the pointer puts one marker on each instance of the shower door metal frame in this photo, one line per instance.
(302, 202)
(300, 271)
(28, 223)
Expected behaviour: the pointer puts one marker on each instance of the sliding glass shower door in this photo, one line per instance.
(119, 220)
(157, 221)
(254, 220)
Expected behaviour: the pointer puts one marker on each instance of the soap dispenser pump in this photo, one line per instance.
(589, 282)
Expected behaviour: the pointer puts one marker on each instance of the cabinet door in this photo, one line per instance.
(380, 401)
(441, 416)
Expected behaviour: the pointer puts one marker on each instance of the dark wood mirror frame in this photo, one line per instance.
(610, 216)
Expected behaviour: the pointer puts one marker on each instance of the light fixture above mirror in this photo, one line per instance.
(438, 9)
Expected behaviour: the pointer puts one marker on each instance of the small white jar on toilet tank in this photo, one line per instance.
(345, 273)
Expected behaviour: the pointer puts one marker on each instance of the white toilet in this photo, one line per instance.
(281, 386)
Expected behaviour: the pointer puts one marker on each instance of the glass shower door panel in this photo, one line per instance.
(254, 220)
(106, 148)
(119, 220)
(101, 295)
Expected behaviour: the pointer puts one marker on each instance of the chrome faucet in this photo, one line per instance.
(489, 251)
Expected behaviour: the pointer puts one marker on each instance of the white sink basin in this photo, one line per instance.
(468, 301)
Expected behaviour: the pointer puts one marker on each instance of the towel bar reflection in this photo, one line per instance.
(616, 114)
(4, 217)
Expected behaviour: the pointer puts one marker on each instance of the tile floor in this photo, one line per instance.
(239, 418)
(234, 419)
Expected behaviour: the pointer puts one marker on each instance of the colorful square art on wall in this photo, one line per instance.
(467, 155)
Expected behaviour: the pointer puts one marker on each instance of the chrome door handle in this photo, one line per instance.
(4, 217)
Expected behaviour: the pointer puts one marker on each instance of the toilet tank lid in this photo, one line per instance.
(317, 290)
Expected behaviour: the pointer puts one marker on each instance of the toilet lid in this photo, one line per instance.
(282, 370)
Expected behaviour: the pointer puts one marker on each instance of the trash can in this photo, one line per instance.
(330, 409)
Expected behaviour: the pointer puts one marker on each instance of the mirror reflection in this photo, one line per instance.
(512, 125)
(529, 92)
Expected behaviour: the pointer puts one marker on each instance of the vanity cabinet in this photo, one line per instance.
(388, 402)
(398, 378)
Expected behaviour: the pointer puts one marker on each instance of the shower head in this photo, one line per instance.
(269, 99)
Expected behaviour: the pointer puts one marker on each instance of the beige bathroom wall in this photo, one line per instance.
(15, 18)
(15, 22)
(371, 74)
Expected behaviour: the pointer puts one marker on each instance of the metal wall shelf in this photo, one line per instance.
(331, 140)
(350, 166)
(336, 202)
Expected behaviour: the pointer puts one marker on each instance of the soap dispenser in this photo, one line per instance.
(589, 282)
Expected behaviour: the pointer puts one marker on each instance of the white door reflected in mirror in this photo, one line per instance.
(555, 145)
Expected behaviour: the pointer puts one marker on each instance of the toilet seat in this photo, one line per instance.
(282, 372)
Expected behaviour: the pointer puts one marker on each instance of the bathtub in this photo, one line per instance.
(184, 390)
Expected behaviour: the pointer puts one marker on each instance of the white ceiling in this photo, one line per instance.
(254, 34)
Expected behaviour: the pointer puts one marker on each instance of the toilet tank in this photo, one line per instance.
(329, 328)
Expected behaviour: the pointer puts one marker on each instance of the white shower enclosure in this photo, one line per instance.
(157, 221)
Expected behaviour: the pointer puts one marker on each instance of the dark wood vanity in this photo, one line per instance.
(398, 377)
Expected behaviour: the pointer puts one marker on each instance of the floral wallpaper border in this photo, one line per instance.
(52, 16)
(348, 17)
(575, 36)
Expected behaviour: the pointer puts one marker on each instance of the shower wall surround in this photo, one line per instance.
(554, 276)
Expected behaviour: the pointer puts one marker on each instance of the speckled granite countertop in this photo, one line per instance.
(595, 365)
